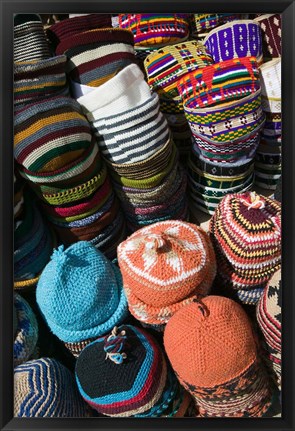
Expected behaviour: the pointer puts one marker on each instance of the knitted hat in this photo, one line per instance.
(33, 242)
(46, 388)
(246, 234)
(271, 28)
(126, 374)
(165, 66)
(75, 25)
(239, 38)
(212, 348)
(165, 266)
(80, 293)
(26, 334)
(156, 29)
(29, 39)
(94, 56)
(50, 134)
(270, 73)
(269, 318)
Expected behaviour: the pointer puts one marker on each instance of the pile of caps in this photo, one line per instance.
(128, 128)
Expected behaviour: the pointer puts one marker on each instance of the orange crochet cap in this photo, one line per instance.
(213, 351)
(165, 266)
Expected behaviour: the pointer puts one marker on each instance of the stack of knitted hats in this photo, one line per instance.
(213, 350)
(269, 318)
(268, 156)
(126, 374)
(33, 244)
(164, 267)
(46, 388)
(163, 68)
(80, 294)
(136, 143)
(246, 233)
(222, 103)
(95, 51)
(152, 31)
(25, 331)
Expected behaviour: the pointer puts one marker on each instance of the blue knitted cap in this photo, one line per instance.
(80, 293)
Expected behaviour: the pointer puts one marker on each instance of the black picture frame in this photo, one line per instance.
(8, 9)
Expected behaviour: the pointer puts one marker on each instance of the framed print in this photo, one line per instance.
(147, 239)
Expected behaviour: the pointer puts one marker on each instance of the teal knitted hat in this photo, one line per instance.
(80, 293)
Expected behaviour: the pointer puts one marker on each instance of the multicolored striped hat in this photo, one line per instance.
(239, 38)
(80, 293)
(166, 65)
(212, 348)
(39, 80)
(165, 266)
(46, 388)
(137, 380)
(94, 56)
(156, 29)
(269, 318)
(246, 233)
(271, 28)
(29, 42)
(26, 333)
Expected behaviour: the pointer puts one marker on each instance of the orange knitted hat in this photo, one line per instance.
(213, 350)
(165, 266)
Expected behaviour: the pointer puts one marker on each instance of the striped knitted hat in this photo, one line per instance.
(269, 318)
(126, 374)
(156, 29)
(72, 26)
(271, 28)
(30, 42)
(239, 38)
(33, 243)
(96, 55)
(246, 233)
(46, 388)
(165, 66)
(126, 117)
(165, 266)
(26, 334)
(80, 293)
(50, 134)
(37, 80)
(212, 348)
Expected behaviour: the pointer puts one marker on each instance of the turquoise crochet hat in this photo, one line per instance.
(80, 293)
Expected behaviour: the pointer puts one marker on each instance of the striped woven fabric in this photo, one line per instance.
(26, 335)
(246, 231)
(30, 42)
(46, 388)
(239, 38)
(38, 80)
(156, 29)
(269, 318)
(165, 66)
(207, 21)
(95, 56)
